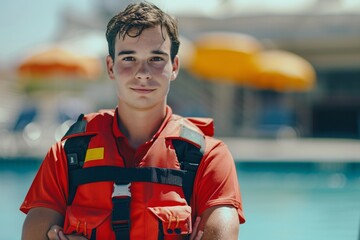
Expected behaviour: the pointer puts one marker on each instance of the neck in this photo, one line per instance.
(139, 126)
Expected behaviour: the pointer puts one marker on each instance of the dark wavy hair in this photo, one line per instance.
(141, 16)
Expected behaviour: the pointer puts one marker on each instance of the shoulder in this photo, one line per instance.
(90, 123)
(204, 125)
(103, 114)
(99, 121)
(194, 128)
(216, 148)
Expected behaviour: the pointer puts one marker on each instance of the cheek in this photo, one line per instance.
(123, 70)
(166, 75)
(164, 72)
(118, 88)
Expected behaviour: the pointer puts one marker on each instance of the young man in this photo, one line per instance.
(130, 174)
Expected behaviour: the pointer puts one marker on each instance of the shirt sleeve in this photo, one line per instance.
(216, 181)
(49, 188)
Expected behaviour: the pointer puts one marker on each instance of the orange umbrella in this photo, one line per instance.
(283, 71)
(57, 62)
(225, 56)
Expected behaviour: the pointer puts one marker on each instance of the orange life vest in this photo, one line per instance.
(108, 201)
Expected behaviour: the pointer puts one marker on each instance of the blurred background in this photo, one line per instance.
(280, 79)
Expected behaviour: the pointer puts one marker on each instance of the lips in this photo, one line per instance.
(143, 90)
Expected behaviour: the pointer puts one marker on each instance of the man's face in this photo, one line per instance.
(142, 69)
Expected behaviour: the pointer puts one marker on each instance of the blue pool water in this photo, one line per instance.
(300, 201)
(282, 201)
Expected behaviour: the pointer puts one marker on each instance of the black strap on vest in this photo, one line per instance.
(75, 149)
(123, 176)
(188, 155)
(120, 219)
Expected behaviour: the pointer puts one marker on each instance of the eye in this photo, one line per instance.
(157, 59)
(128, 59)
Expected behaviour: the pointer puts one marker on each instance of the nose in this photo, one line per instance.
(143, 72)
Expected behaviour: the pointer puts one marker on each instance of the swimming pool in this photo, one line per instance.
(300, 201)
(282, 200)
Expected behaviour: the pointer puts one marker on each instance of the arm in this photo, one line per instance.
(217, 195)
(38, 222)
(45, 202)
(220, 222)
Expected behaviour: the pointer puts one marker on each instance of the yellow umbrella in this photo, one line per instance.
(186, 52)
(58, 63)
(224, 56)
(283, 71)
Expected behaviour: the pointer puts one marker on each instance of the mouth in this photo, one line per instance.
(143, 90)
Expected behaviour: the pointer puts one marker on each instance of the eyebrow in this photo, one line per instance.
(127, 52)
(160, 52)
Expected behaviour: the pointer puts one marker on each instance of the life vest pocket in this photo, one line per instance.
(83, 220)
(175, 220)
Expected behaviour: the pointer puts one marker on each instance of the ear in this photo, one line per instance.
(175, 68)
(110, 67)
